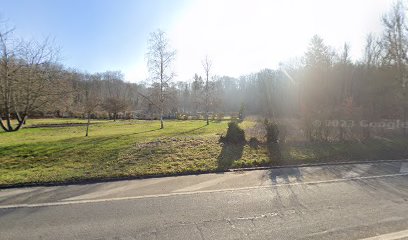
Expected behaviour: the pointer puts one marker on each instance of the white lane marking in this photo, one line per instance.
(33, 205)
(390, 236)
(211, 182)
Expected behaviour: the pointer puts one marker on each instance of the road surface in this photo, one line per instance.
(347, 201)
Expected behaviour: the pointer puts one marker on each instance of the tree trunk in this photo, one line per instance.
(3, 126)
(87, 125)
(161, 118)
(9, 127)
(20, 124)
(207, 95)
(404, 115)
(8, 120)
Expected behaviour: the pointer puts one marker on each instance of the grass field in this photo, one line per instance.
(55, 150)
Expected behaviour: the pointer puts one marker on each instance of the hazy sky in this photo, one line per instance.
(239, 36)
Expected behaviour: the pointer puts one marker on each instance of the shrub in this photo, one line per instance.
(234, 134)
(272, 132)
(272, 141)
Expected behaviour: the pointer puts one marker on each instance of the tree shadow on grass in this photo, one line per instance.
(284, 174)
(192, 130)
(274, 153)
(230, 152)
(136, 133)
(254, 143)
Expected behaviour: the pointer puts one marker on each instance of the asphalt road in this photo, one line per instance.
(350, 201)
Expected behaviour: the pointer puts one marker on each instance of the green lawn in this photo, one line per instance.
(57, 151)
(113, 149)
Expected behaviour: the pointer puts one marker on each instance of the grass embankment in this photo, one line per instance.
(57, 151)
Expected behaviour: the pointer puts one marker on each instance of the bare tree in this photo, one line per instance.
(372, 51)
(207, 64)
(395, 44)
(91, 102)
(114, 106)
(115, 93)
(29, 78)
(160, 60)
(197, 90)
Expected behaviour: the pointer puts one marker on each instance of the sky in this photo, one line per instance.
(239, 36)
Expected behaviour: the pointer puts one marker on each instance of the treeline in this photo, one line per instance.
(322, 85)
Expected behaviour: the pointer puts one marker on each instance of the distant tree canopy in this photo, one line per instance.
(324, 84)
